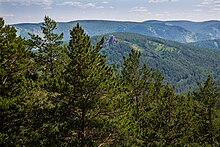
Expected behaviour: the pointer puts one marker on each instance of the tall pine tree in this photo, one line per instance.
(83, 102)
(14, 68)
(207, 126)
(49, 50)
(138, 85)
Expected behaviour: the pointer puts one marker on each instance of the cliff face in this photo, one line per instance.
(110, 40)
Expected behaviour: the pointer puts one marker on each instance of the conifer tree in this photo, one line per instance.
(86, 90)
(14, 68)
(49, 52)
(151, 114)
(207, 127)
(50, 58)
(68, 96)
(138, 83)
(161, 124)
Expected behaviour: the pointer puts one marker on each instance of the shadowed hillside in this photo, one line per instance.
(183, 65)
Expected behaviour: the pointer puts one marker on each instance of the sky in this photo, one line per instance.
(29, 11)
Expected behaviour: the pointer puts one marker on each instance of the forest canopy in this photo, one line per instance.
(57, 94)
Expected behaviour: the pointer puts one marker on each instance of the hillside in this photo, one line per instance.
(210, 44)
(99, 27)
(69, 95)
(210, 28)
(183, 65)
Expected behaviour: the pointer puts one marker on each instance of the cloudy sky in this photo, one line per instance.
(18, 11)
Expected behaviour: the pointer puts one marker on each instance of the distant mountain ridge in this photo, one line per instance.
(209, 44)
(210, 28)
(182, 65)
(180, 31)
(186, 52)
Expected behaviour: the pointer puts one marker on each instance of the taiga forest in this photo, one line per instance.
(116, 88)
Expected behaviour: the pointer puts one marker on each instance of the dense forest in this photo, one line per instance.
(213, 44)
(57, 94)
(183, 65)
(179, 31)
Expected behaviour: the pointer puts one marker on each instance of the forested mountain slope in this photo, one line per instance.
(210, 44)
(182, 65)
(210, 28)
(66, 95)
(99, 27)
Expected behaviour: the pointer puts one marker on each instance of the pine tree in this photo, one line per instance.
(85, 93)
(49, 50)
(48, 54)
(138, 83)
(207, 128)
(152, 111)
(14, 68)
(161, 123)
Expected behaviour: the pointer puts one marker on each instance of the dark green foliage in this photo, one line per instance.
(138, 84)
(182, 65)
(210, 44)
(208, 128)
(57, 95)
(14, 68)
(154, 114)
(48, 55)
(86, 92)
(48, 50)
(178, 66)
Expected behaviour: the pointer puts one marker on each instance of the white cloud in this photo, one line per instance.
(205, 3)
(8, 15)
(197, 10)
(139, 9)
(100, 7)
(29, 2)
(210, 5)
(216, 9)
(140, 12)
(78, 4)
(105, 2)
(161, 1)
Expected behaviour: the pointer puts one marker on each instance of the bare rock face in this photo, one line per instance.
(110, 40)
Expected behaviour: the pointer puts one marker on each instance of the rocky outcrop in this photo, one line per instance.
(110, 40)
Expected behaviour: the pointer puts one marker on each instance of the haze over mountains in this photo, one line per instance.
(210, 28)
(184, 51)
(212, 44)
(182, 65)
(180, 31)
(89, 73)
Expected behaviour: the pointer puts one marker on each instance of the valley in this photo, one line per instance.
(184, 51)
